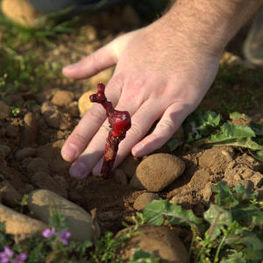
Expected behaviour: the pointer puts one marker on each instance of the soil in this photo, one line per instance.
(35, 136)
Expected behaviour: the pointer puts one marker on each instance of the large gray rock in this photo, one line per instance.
(19, 225)
(157, 171)
(79, 222)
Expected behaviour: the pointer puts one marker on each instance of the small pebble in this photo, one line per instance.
(144, 199)
(4, 150)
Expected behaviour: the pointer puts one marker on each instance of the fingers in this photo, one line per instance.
(166, 127)
(92, 64)
(89, 124)
(142, 121)
(91, 155)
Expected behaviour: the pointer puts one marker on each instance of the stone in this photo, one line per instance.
(12, 131)
(9, 194)
(53, 117)
(21, 12)
(44, 181)
(37, 164)
(62, 98)
(79, 222)
(157, 171)
(30, 129)
(19, 225)
(91, 33)
(73, 109)
(160, 240)
(104, 77)
(4, 150)
(84, 102)
(25, 153)
(5, 110)
(144, 199)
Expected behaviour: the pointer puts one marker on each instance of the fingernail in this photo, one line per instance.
(69, 152)
(79, 170)
(71, 66)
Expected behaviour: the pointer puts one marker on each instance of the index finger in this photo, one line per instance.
(89, 125)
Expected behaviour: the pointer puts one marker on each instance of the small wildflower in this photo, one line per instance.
(63, 236)
(6, 255)
(47, 233)
(20, 258)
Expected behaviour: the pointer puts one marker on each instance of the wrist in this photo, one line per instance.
(208, 24)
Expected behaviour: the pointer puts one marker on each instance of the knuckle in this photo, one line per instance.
(94, 60)
(96, 116)
(77, 139)
(136, 129)
(166, 126)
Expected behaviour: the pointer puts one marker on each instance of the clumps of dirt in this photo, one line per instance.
(30, 145)
(206, 167)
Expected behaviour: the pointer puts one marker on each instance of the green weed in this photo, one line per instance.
(230, 230)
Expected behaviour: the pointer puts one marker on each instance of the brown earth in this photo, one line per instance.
(31, 142)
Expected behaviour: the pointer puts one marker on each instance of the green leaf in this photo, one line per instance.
(174, 143)
(247, 242)
(154, 211)
(235, 115)
(235, 257)
(248, 215)
(57, 220)
(230, 131)
(201, 123)
(224, 195)
(158, 210)
(217, 217)
(242, 142)
(242, 194)
(140, 256)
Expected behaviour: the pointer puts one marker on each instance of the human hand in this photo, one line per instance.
(160, 75)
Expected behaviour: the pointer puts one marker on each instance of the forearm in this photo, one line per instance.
(210, 23)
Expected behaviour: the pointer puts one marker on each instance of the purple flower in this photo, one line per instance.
(63, 236)
(47, 233)
(6, 255)
(20, 258)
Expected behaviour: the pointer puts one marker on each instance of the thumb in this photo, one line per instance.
(103, 58)
(92, 64)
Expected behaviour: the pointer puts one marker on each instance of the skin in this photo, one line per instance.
(162, 73)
